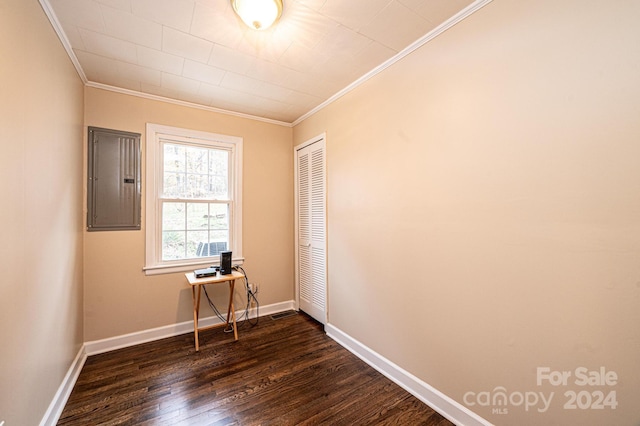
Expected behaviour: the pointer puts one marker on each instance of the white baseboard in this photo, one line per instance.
(447, 407)
(61, 397)
(441, 403)
(112, 343)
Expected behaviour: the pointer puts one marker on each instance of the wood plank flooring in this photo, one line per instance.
(282, 372)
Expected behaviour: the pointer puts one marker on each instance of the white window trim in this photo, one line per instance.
(154, 134)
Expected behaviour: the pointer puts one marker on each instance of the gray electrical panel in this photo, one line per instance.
(113, 187)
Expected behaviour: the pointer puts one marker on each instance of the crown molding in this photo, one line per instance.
(185, 103)
(57, 27)
(455, 19)
(460, 16)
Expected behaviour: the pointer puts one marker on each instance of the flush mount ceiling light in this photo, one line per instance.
(258, 14)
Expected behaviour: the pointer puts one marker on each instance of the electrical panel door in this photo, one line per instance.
(113, 187)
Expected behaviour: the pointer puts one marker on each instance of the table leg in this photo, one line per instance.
(196, 312)
(231, 310)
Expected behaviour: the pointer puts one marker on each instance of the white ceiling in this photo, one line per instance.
(198, 51)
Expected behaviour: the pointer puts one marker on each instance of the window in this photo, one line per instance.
(194, 200)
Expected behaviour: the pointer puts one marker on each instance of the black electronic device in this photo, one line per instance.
(225, 263)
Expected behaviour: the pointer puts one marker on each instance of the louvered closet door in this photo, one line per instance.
(311, 230)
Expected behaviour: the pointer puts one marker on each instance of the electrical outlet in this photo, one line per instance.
(254, 288)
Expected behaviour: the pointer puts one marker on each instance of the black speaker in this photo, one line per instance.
(225, 263)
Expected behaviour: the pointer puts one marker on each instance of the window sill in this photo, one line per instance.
(186, 267)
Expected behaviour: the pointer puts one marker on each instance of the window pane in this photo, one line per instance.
(220, 237)
(173, 216)
(219, 226)
(174, 158)
(174, 185)
(198, 186)
(173, 245)
(194, 229)
(192, 172)
(219, 187)
(219, 174)
(219, 216)
(197, 159)
(197, 244)
(197, 216)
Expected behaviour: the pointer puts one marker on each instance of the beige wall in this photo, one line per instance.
(41, 99)
(484, 206)
(119, 297)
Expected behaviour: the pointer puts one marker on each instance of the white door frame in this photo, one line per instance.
(319, 138)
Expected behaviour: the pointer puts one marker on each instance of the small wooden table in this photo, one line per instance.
(196, 287)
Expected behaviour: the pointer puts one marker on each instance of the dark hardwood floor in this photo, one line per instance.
(282, 372)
